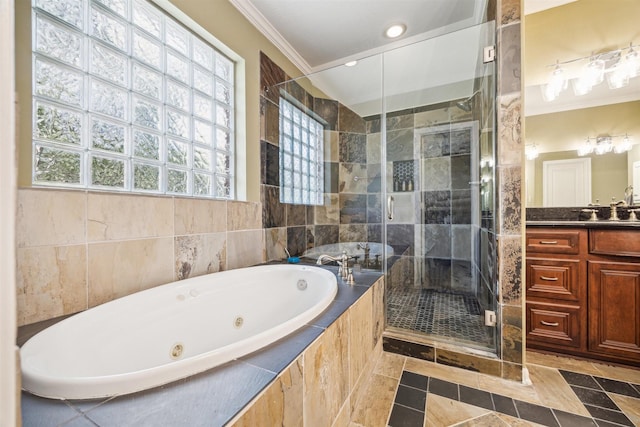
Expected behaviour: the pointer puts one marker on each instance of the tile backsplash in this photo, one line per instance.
(78, 249)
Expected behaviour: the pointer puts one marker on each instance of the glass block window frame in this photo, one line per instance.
(301, 156)
(127, 98)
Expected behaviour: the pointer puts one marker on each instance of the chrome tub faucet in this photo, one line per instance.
(343, 262)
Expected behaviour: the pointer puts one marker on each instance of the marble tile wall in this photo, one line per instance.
(324, 384)
(78, 249)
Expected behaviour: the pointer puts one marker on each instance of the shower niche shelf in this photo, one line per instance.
(403, 176)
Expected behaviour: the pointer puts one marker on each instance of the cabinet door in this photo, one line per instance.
(614, 309)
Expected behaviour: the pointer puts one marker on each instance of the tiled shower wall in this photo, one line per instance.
(508, 215)
(421, 231)
(351, 212)
(78, 249)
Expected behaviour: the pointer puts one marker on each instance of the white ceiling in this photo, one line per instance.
(319, 36)
(533, 6)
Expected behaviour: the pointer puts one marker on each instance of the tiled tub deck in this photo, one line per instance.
(310, 378)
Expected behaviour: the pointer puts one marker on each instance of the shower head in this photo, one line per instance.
(464, 105)
(467, 103)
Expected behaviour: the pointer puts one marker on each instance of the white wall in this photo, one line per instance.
(8, 413)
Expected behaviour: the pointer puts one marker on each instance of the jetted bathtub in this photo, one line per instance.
(172, 331)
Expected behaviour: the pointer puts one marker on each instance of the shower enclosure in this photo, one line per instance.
(407, 162)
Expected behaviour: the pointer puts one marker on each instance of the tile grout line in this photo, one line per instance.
(515, 406)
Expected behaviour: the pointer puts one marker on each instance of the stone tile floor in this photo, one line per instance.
(565, 392)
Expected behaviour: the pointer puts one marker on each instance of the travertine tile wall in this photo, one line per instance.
(323, 385)
(78, 249)
(509, 171)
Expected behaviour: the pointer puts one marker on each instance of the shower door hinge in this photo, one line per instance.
(489, 318)
(489, 54)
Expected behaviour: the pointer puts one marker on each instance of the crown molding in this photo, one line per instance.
(253, 15)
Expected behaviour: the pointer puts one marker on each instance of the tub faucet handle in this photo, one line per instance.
(349, 278)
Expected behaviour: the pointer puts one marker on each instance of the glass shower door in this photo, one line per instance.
(439, 184)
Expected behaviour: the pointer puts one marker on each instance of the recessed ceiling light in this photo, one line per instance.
(395, 30)
(350, 63)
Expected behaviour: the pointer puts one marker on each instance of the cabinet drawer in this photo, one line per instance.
(555, 278)
(614, 242)
(554, 324)
(555, 242)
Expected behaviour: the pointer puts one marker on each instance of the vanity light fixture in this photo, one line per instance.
(632, 62)
(586, 148)
(604, 144)
(350, 64)
(531, 151)
(618, 66)
(625, 145)
(395, 31)
(557, 83)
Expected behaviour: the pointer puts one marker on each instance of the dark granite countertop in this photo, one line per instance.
(585, 224)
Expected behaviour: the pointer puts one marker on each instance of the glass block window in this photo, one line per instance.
(301, 156)
(127, 98)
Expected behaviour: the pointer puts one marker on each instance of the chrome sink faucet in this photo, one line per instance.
(614, 208)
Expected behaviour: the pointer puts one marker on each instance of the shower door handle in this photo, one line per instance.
(390, 208)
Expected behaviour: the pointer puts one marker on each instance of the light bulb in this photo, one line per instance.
(632, 63)
(593, 73)
(580, 87)
(625, 145)
(557, 83)
(618, 76)
(395, 30)
(603, 145)
(585, 148)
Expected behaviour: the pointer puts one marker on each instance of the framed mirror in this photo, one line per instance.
(569, 37)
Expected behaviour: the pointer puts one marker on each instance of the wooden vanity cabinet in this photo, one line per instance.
(614, 293)
(556, 289)
(583, 292)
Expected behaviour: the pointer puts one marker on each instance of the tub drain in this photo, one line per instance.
(302, 284)
(238, 322)
(176, 351)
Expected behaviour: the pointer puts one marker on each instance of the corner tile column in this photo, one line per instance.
(509, 226)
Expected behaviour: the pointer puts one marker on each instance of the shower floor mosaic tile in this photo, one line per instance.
(442, 313)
